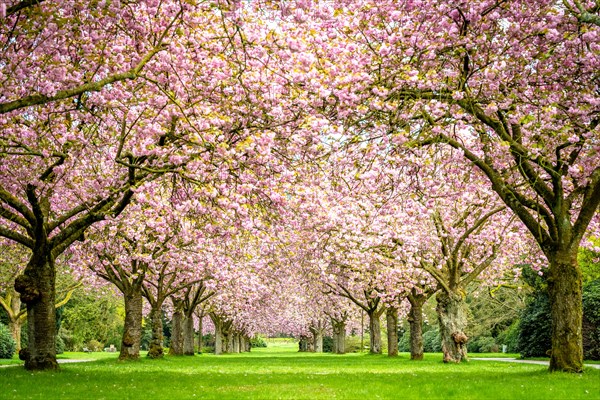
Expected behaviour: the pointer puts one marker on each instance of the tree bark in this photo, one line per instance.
(132, 329)
(15, 321)
(375, 332)
(310, 341)
(176, 348)
(318, 340)
(37, 290)
(228, 342)
(236, 342)
(188, 336)
(415, 320)
(392, 331)
(15, 331)
(242, 343)
(452, 318)
(339, 337)
(565, 292)
(218, 323)
(156, 343)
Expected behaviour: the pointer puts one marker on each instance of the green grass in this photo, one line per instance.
(279, 372)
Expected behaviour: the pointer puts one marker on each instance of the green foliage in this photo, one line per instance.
(258, 341)
(60, 345)
(535, 327)
(432, 341)
(94, 345)
(510, 337)
(483, 344)
(92, 315)
(327, 344)
(7, 343)
(404, 342)
(587, 259)
(591, 320)
(353, 343)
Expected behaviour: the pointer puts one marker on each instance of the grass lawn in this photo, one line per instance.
(279, 372)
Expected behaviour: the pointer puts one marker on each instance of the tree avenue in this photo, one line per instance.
(284, 167)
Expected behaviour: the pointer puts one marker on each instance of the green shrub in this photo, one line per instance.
(258, 341)
(327, 344)
(482, 344)
(208, 349)
(432, 341)
(60, 345)
(510, 337)
(353, 343)
(404, 342)
(535, 327)
(7, 343)
(591, 320)
(94, 345)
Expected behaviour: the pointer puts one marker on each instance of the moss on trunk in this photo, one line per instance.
(565, 292)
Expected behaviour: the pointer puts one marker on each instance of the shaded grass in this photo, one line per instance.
(280, 372)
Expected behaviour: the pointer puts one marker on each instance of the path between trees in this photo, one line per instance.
(538, 362)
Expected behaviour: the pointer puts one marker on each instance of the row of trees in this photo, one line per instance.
(265, 155)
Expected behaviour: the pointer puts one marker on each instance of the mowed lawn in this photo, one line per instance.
(280, 372)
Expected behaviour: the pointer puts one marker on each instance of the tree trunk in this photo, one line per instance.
(218, 337)
(15, 322)
(415, 320)
(452, 318)
(188, 335)
(318, 340)
(229, 341)
(15, 331)
(375, 331)
(339, 337)
(132, 329)
(37, 289)
(310, 344)
(392, 331)
(176, 348)
(236, 342)
(156, 343)
(565, 292)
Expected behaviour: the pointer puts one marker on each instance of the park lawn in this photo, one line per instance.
(279, 372)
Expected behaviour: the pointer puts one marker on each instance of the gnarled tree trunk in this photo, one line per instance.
(415, 320)
(452, 318)
(565, 292)
(375, 331)
(37, 289)
(156, 343)
(392, 331)
(132, 329)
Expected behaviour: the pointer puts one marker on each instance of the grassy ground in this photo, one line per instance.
(279, 372)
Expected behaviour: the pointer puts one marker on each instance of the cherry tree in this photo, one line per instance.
(512, 85)
(13, 260)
